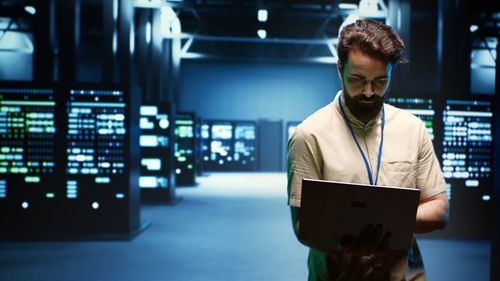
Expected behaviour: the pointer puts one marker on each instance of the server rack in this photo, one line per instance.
(185, 149)
(228, 145)
(67, 162)
(156, 180)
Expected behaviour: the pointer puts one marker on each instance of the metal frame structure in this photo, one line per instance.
(297, 30)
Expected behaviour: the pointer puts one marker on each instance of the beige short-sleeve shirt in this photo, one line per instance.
(322, 147)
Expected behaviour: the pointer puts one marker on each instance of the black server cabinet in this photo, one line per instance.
(65, 162)
(28, 162)
(220, 147)
(204, 145)
(228, 145)
(156, 180)
(245, 146)
(185, 148)
(462, 135)
(466, 161)
(198, 147)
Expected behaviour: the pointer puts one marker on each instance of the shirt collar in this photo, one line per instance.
(355, 123)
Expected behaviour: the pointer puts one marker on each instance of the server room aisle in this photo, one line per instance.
(233, 226)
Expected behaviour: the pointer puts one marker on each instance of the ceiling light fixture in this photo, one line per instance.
(30, 9)
(347, 6)
(148, 32)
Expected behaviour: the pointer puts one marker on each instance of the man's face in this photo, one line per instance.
(365, 81)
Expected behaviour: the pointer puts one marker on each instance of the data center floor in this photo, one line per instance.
(232, 226)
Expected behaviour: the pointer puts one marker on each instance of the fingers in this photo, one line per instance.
(364, 238)
(384, 243)
(377, 236)
(369, 259)
(372, 239)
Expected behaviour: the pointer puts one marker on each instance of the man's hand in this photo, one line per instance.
(370, 240)
(367, 255)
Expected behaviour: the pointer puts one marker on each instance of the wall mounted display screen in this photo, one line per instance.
(422, 108)
(154, 141)
(185, 147)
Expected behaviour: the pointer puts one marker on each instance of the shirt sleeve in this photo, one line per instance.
(429, 178)
(304, 161)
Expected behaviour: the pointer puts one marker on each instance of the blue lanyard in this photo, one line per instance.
(359, 147)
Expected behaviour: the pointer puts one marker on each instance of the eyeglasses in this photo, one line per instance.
(359, 83)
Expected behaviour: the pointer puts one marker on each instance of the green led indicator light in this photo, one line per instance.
(183, 122)
(32, 179)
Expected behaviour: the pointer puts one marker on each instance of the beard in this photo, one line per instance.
(364, 108)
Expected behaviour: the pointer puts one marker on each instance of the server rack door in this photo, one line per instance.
(270, 145)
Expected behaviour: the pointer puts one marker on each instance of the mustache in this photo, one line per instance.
(364, 108)
(363, 98)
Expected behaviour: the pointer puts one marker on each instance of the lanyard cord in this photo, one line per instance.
(359, 147)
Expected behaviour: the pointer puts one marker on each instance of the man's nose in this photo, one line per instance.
(369, 91)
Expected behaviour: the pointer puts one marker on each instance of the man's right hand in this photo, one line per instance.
(371, 239)
(367, 255)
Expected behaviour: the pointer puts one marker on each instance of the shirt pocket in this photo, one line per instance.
(400, 173)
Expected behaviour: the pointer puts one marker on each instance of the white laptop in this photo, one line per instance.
(332, 211)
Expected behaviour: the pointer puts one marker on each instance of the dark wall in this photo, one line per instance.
(424, 44)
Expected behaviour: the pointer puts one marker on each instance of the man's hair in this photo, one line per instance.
(372, 38)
